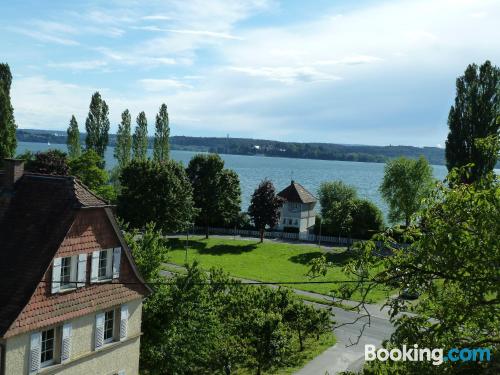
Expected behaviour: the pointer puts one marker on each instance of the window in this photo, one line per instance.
(109, 324)
(65, 272)
(104, 268)
(47, 347)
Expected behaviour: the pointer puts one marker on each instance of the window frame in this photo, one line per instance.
(108, 268)
(51, 361)
(106, 328)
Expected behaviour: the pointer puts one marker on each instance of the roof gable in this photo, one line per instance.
(296, 193)
(38, 217)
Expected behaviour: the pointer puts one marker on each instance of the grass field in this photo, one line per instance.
(269, 261)
(312, 348)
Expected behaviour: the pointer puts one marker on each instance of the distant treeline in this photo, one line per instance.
(247, 146)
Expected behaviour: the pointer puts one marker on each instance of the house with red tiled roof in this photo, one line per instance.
(297, 213)
(71, 296)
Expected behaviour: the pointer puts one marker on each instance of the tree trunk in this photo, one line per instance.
(206, 228)
(300, 341)
(261, 235)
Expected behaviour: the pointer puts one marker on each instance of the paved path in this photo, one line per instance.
(343, 355)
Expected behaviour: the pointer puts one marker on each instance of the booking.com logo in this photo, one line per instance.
(416, 354)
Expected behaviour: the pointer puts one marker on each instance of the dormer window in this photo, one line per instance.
(68, 273)
(105, 265)
(105, 261)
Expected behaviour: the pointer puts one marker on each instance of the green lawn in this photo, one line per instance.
(269, 261)
(312, 348)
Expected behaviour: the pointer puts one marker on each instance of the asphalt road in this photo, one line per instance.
(344, 355)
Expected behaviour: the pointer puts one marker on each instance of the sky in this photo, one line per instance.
(352, 72)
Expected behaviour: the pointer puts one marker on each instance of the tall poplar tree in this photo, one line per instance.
(123, 140)
(161, 146)
(473, 118)
(73, 139)
(97, 125)
(140, 138)
(8, 142)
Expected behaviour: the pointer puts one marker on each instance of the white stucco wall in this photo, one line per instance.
(84, 359)
(304, 214)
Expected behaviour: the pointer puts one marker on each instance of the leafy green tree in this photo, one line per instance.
(161, 146)
(405, 184)
(367, 219)
(473, 117)
(73, 139)
(53, 162)
(265, 207)
(216, 191)
(88, 169)
(451, 260)
(337, 205)
(97, 125)
(156, 192)
(149, 251)
(123, 145)
(8, 141)
(140, 138)
(307, 320)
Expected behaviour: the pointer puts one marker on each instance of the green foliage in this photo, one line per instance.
(342, 212)
(337, 205)
(97, 125)
(140, 138)
(123, 145)
(87, 168)
(264, 207)
(156, 192)
(307, 320)
(52, 162)
(149, 251)
(8, 141)
(451, 261)
(73, 139)
(211, 324)
(216, 191)
(406, 183)
(27, 156)
(161, 148)
(367, 219)
(474, 117)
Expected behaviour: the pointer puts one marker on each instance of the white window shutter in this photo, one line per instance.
(56, 275)
(74, 271)
(35, 352)
(123, 322)
(94, 270)
(66, 342)
(99, 331)
(82, 270)
(117, 251)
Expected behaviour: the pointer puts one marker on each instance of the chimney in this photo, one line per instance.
(13, 171)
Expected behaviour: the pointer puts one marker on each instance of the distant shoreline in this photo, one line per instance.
(267, 148)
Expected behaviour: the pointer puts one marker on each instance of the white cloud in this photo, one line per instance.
(45, 37)
(287, 74)
(151, 84)
(157, 17)
(79, 65)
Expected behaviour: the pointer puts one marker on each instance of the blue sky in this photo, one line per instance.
(357, 72)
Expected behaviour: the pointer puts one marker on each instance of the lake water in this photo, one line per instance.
(366, 177)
